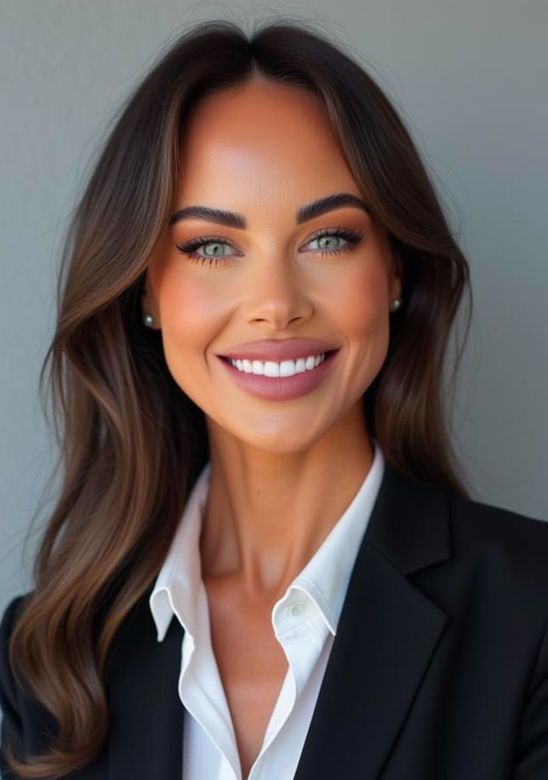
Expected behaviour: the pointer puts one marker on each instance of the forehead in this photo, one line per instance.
(261, 143)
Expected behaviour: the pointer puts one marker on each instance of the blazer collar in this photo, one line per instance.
(387, 633)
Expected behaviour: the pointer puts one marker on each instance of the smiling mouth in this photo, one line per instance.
(303, 363)
(304, 376)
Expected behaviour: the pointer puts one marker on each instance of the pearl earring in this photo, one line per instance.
(395, 304)
(148, 319)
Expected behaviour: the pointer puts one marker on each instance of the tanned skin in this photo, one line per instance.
(282, 472)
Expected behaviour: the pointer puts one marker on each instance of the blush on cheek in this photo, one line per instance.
(361, 298)
(185, 307)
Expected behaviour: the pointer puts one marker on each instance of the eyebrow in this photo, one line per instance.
(304, 213)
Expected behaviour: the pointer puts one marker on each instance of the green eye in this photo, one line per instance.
(189, 249)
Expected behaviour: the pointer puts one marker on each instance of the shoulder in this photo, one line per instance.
(10, 698)
(11, 613)
(475, 522)
(508, 541)
(8, 620)
(9, 617)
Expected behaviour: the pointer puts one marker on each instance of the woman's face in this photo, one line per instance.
(264, 150)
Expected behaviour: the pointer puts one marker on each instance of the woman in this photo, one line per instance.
(264, 562)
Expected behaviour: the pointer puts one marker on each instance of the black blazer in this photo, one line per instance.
(438, 671)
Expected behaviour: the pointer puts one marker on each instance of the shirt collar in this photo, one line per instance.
(324, 579)
(179, 581)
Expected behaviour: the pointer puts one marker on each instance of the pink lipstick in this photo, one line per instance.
(281, 388)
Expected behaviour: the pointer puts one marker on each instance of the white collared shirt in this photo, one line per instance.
(304, 621)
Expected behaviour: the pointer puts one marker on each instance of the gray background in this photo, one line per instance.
(470, 79)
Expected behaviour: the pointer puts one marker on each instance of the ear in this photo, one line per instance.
(396, 276)
(149, 303)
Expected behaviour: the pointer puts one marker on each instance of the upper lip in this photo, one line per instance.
(277, 349)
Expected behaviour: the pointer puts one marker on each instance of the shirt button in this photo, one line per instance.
(297, 608)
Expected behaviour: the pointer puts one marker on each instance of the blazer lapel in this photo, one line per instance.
(387, 634)
(146, 722)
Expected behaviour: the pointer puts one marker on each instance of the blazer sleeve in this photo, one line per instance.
(12, 727)
(531, 761)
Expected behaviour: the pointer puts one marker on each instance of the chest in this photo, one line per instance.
(252, 667)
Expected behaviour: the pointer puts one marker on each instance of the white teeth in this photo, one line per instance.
(285, 368)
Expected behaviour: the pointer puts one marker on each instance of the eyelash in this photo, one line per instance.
(190, 247)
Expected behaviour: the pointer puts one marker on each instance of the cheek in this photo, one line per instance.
(360, 301)
(189, 313)
(188, 310)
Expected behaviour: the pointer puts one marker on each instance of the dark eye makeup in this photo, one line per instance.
(352, 237)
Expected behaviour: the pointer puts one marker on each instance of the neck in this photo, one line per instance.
(267, 513)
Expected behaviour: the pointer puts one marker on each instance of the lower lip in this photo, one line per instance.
(281, 388)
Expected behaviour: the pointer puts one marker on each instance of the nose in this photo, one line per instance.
(276, 292)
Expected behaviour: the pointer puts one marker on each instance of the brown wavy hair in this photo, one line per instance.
(131, 442)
